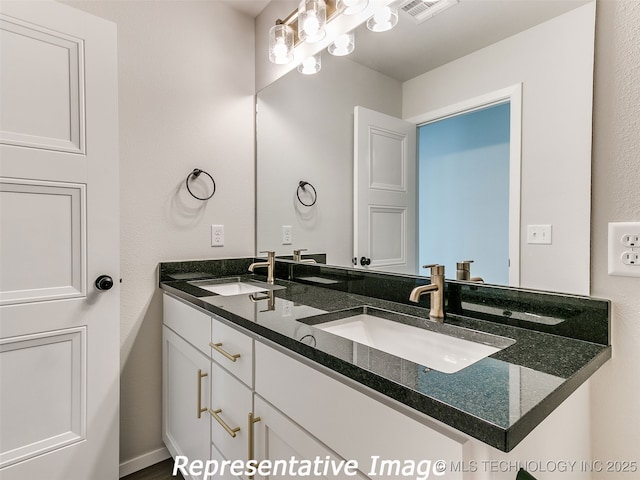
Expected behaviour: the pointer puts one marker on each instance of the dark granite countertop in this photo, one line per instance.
(498, 399)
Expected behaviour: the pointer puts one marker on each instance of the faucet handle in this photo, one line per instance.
(436, 269)
(464, 265)
(299, 251)
(270, 253)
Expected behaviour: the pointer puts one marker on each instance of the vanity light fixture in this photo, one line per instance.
(351, 7)
(384, 19)
(307, 24)
(343, 45)
(310, 65)
(281, 44)
(312, 18)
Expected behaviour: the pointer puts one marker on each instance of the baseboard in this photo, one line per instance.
(143, 461)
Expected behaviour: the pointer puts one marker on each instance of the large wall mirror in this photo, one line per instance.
(464, 137)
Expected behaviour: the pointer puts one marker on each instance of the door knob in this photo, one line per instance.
(104, 282)
(365, 261)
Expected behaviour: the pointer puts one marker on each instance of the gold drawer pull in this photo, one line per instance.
(250, 453)
(230, 431)
(217, 348)
(201, 410)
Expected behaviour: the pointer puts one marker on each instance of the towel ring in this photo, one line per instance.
(303, 184)
(195, 174)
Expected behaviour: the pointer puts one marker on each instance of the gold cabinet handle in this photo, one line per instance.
(250, 449)
(201, 410)
(218, 348)
(229, 430)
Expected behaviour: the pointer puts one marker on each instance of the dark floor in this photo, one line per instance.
(159, 471)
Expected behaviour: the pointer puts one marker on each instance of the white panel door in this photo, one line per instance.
(384, 192)
(59, 334)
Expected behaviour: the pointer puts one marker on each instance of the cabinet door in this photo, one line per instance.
(276, 438)
(231, 403)
(185, 393)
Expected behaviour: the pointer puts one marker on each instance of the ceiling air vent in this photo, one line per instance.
(421, 10)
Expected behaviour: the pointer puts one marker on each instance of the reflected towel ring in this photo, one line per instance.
(303, 184)
(310, 337)
(195, 174)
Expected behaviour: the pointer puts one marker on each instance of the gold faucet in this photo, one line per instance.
(435, 288)
(297, 256)
(463, 272)
(270, 264)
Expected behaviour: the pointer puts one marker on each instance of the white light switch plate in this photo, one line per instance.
(539, 234)
(624, 249)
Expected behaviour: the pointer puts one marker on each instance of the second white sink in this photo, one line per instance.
(434, 350)
(234, 286)
(228, 289)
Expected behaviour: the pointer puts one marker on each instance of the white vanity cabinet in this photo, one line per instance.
(306, 411)
(350, 422)
(302, 412)
(205, 406)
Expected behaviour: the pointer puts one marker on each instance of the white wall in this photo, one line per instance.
(616, 197)
(186, 86)
(554, 62)
(305, 132)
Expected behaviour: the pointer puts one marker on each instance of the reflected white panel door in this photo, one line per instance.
(59, 334)
(384, 192)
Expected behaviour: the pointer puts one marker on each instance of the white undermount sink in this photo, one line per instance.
(438, 351)
(234, 286)
(228, 289)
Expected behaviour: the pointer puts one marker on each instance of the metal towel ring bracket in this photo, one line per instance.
(302, 186)
(195, 174)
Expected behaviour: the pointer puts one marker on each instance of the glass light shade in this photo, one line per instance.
(312, 17)
(281, 44)
(310, 65)
(384, 19)
(343, 45)
(351, 7)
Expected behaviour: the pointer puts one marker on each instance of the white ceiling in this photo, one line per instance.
(250, 7)
(411, 49)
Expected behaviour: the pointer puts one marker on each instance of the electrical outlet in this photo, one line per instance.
(631, 258)
(286, 235)
(217, 235)
(631, 240)
(624, 249)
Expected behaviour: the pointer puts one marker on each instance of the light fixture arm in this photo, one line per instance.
(291, 20)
